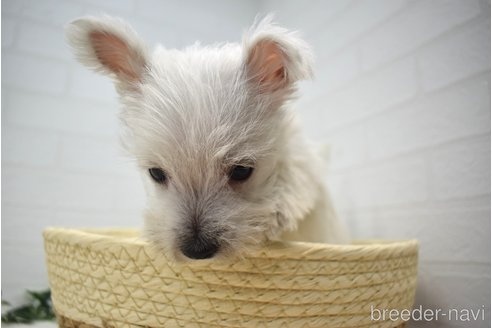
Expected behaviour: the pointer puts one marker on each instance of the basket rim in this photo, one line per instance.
(130, 237)
(114, 268)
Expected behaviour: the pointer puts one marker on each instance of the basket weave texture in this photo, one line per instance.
(111, 278)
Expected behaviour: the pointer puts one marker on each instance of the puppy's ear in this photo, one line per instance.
(110, 46)
(275, 58)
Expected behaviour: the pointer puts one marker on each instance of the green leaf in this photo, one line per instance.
(39, 308)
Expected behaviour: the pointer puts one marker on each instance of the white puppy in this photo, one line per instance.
(223, 160)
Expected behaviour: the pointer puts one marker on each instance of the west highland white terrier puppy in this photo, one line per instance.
(224, 163)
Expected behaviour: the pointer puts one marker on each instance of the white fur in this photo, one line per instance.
(194, 113)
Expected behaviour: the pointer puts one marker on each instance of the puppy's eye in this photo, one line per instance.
(158, 175)
(240, 173)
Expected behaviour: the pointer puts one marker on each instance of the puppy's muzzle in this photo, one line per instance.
(199, 249)
(198, 245)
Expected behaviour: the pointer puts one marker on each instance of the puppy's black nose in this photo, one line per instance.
(199, 248)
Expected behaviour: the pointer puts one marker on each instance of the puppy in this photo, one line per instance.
(224, 163)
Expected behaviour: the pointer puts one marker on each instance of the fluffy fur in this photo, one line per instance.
(197, 112)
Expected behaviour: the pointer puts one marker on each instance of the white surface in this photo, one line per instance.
(401, 94)
(37, 324)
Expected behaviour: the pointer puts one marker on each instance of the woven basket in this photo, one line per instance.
(111, 278)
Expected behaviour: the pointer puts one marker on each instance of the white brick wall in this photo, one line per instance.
(433, 17)
(402, 95)
(32, 73)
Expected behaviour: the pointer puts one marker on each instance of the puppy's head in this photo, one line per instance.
(209, 131)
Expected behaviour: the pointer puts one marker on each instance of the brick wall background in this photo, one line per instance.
(402, 95)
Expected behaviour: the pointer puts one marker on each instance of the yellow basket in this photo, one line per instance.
(111, 278)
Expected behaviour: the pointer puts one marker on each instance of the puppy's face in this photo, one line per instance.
(209, 152)
(208, 131)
